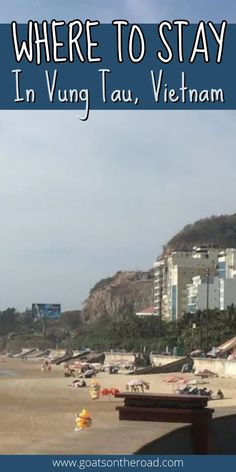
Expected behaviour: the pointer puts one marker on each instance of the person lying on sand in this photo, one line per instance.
(78, 383)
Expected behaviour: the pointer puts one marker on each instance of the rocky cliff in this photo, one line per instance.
(124, 293)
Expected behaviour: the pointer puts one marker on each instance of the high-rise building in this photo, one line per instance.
(173, 272)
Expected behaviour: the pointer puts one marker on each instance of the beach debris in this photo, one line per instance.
(197, 382)
(205, 374)
(136, 384)
(190, 390)
(175, 379)
(83, 420)
(95, 389)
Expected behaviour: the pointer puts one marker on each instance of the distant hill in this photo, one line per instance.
(123, 293)
(216, 230)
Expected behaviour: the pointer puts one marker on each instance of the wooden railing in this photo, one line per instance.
(173, 409)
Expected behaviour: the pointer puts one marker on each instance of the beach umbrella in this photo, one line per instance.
(135, 383)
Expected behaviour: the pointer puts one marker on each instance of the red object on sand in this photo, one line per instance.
(114, 391)
(174, 379)
(110, 391)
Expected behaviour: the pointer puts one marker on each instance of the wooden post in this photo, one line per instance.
(44, 326)
(201, 434)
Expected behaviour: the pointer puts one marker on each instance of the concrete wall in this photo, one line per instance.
(157, 360)
(221, 367)
(111, 357)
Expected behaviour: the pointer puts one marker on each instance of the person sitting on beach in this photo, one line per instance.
(78, 383)
(68, 372)
(230, 356)
(46, 365)
(220, 394)
(113, 369)
(88, 374)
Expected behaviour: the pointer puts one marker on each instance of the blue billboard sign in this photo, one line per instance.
(46, 310)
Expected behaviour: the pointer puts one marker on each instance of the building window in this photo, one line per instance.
(221, 270)
(173, 301)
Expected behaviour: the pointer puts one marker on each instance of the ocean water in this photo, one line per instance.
(7, 373)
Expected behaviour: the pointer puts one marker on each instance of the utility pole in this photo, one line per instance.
(159, 325)
(160, 310)
(207, 306)
(44, 325)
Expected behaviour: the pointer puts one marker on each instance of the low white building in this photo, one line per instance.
(212, 293)
(202, 293)
(227, 289)
(149, 311)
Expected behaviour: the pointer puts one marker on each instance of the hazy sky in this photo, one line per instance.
(80, 201)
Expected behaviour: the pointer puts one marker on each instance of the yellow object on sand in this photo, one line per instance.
(94, 394)
(95, 390)
(83, 420)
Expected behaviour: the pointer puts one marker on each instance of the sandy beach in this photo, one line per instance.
(38, 412)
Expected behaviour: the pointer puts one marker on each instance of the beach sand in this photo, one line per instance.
(38, 412)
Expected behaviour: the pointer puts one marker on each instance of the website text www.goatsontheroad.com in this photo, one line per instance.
(121, 463)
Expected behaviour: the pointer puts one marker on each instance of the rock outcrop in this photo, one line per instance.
(123, 294)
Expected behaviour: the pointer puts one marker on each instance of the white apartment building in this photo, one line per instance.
(197, 296)
(227, 264)
(172, 274)
(221, 293)
(227, 293)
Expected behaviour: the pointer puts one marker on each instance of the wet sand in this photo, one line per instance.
(38, 412)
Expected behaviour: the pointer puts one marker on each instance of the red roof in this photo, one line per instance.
(149, 309)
